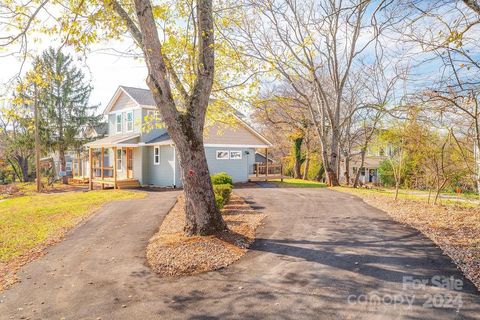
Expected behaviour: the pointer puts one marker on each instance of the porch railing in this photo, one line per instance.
(107, 172)
(261, 169)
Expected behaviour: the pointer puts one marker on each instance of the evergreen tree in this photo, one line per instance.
(66, 107)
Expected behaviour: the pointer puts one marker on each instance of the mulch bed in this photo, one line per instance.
(170, 253)
(455, 229)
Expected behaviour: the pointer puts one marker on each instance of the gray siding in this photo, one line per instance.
(238, 169)
(167, 172)
(137, 122)
(237, 134)
(138, 164)
(163, 173)
(123, 102)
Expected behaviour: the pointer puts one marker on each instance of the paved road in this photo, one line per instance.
(320, 255)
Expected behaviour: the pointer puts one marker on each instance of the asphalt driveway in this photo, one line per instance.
(319, 255)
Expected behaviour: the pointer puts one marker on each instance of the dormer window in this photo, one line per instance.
(118, 122)
(130, 121)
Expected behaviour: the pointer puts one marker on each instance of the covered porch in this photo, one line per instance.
(111, 162)
(263, 171)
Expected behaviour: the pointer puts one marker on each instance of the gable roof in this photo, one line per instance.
(144, 97)
(141, 96)
(101, 128)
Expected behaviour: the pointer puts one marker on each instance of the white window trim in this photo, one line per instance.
(119, 167)
(117, 123)
(155, 162)
(127, 122)
(239, 151)
(228, 154)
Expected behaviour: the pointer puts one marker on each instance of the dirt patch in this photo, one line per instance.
(171, 253)
(455, 229)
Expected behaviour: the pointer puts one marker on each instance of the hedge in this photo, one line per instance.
(221, 178)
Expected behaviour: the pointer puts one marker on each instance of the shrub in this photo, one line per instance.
(224, 190)
(219, 202)
(221, 178)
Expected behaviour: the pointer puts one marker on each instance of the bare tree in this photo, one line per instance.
(312, 45)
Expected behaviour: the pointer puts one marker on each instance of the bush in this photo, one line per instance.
(219, 202)
(222, 194)
(224, 190)
(221, 178)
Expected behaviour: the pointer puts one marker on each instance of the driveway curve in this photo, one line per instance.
(320, 254)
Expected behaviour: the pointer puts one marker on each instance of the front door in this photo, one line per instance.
(129, 163)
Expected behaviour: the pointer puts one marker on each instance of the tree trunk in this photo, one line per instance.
(357, 175)
(24, 168)
(184, 125)
(202, 217)
(63, 164)
(347, 170)
(306, 167)
(332, 165)
(320, 173)
(397, 187)
(439, 189)
(297, 155)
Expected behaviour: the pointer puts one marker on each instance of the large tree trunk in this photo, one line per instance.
(333, 161)
(184, 125)
(202, 217)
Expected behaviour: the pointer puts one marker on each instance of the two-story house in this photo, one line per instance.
(131, 155)
(369, 170)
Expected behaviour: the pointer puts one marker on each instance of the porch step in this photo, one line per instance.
(125, 184)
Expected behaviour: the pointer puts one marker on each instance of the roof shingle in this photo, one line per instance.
(142, 96)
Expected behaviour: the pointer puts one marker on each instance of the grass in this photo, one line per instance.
(20, 189)
(298, 183)
(30, 220)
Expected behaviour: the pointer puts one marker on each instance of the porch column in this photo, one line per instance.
(102, 164)
(266, 163)
(90, 156)
(114, 167)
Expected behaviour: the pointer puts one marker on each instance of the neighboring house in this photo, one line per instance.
(369, 170)
(76, 161)
(132, 156)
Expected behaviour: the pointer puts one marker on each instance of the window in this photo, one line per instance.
(152, 115)
(68, 166)
(118, 121)
(235, 154)
(362, 172)
(119, 159)
(156, 155)
(222, 155)
(129, 121)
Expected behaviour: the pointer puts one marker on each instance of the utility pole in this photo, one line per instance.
(37, 142)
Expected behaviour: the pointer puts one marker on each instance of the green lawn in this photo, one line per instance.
(30, 220)
(298, 183)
